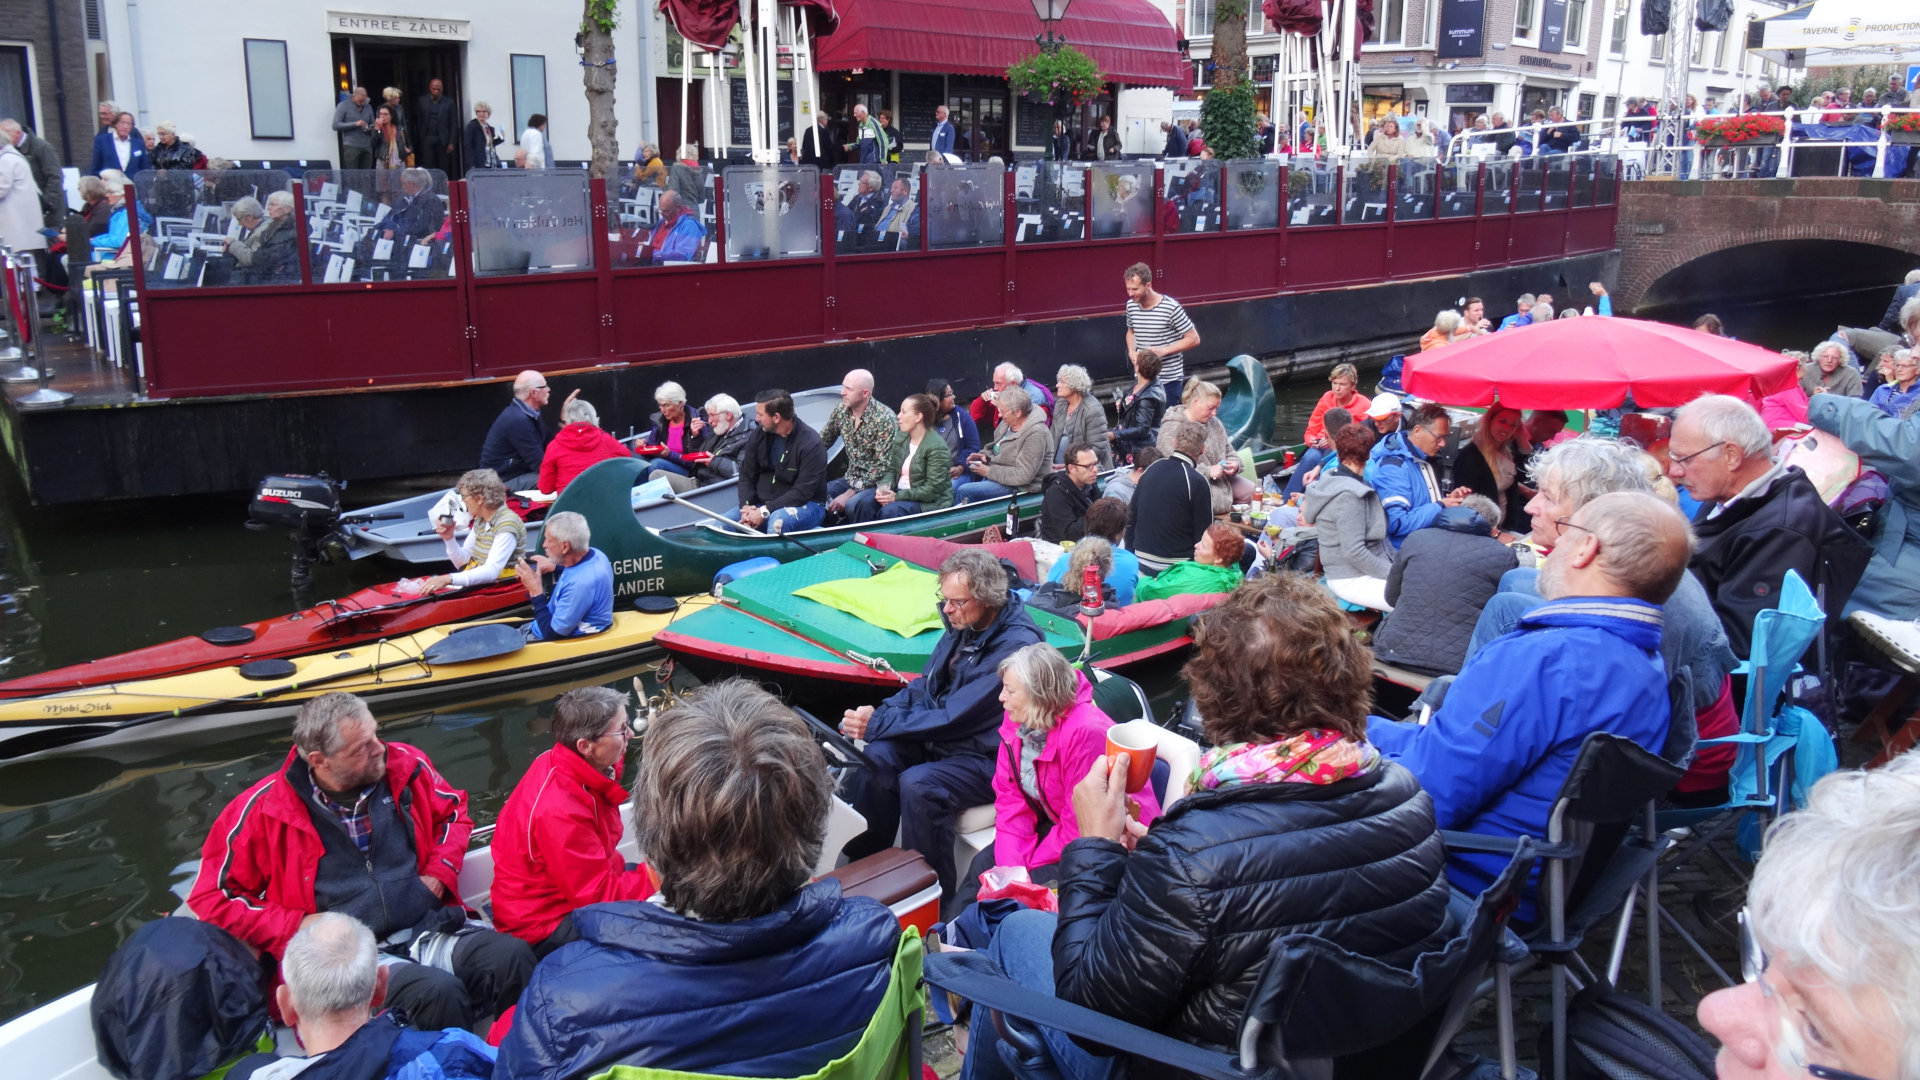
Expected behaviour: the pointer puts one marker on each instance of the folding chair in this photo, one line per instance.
(1783, 750)
(1314, 1001)
(1613, 780)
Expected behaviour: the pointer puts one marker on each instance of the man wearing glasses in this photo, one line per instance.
(933, 743)
(1068, 493)
(556, 847)
(1759, 519)
(518, 439)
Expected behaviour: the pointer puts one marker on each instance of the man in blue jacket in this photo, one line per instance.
(1495, 754)
(582, 599)
(933, 743)
(1400, 468)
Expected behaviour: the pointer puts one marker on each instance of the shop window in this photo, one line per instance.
(269, 93)
(1576, 23)
(529, 89)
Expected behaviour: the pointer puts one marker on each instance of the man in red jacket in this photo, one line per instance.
(556, 845)
(367, 828)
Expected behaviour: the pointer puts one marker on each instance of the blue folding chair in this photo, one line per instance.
(1783, 750)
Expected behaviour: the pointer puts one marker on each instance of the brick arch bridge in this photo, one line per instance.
(1665, 224)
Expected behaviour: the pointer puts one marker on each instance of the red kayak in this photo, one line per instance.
(364, 616)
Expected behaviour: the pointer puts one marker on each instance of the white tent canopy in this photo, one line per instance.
(1841, 33)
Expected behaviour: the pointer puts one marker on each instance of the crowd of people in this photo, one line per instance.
(1564, 583)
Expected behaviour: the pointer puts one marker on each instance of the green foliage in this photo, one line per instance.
(602, 15)
(1857, 79)
(1227, 122)
(1066, 77)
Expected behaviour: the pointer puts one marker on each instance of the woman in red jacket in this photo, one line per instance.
(1344, 395)
(579, 444)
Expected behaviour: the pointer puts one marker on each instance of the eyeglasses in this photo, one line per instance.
(944, 601)
(1684, 458)
(623, 733)
(1568, 524)
(1793, 1044)
(1083, 464)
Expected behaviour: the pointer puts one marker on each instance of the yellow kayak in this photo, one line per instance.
(430, 662)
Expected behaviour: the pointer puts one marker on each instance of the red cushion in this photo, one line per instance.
(1144, 613)
(930, 552)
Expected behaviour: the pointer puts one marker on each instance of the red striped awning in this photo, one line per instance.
(1132, 42)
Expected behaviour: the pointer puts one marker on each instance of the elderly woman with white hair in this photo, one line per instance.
(576, 447)
(173, 151)
(265, 253)
(1077, 416)
(677, 429)
(1827, 939)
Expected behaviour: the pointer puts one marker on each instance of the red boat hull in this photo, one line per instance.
(364, 616)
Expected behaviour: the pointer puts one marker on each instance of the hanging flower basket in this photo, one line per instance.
(1066, 77)
(1746, 129)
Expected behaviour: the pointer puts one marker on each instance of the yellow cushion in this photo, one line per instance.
(902, 599)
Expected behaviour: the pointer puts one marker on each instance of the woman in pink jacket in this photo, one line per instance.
(1048, 742)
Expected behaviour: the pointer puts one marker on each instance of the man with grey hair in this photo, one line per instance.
(415, 216)
(1892, 322)
(517, 442)
(353, 120)
(44, 162)
(1496, 751)
(933, 743)
(334, 986)
(352, 824)
(581, 602)
(985, 409)
(266, 253)
(1828, 951)
(1759, 518)
(818, 146)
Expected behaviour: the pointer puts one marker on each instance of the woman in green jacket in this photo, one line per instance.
(1214, 568)
(917, 473)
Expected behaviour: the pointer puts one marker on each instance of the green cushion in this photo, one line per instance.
(881, 1053)
(902, 599)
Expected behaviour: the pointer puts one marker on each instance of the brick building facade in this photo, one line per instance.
(44, 66)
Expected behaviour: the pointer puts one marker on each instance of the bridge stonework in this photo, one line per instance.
(1665, 224)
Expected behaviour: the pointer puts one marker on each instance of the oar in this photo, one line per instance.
(467, 645)
(743, 527)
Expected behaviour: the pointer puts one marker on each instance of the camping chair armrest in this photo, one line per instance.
(1504, 845)
(975, 977)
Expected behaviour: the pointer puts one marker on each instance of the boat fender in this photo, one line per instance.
(262, 670)
(744, 568)
(655, 605)
(227, 635)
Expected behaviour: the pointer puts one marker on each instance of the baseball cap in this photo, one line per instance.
(1384, 405)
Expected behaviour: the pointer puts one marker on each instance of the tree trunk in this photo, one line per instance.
(1230, 42)
(1226, 116)
(598, 76)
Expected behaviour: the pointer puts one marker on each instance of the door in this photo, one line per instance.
(979, 122)
(411, 68)
(666, 95)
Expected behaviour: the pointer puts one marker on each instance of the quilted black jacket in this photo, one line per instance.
(1438, 585)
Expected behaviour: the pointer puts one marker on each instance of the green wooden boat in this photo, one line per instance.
(761, 629)
(651, 560)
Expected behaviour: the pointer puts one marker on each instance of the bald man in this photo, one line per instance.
(868, 427)
(1507, 733)
(518, 438)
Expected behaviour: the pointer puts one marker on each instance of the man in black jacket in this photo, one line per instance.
(1068, 493)
(1759, 519)
(783, 473)
(518, 439)
(1181, 502)
(933, 743)
(439, 129)
(1890, 322)
(818, 146)
(1440, 580)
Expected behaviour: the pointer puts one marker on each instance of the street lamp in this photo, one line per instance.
(1049, 13)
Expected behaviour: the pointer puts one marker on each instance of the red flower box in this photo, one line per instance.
(1747, 129)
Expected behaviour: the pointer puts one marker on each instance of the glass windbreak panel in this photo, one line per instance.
(1414, 189)
(529, 221)
(1192, 195)
(876, 208)
(1496, 189)
(654, 221)
(1559, 168)
(211, 228)
(1607, 186)
(1050, 202)
(378, 225)
(1253, 194)
(1533, 177)
(1581, 192)
(1365, 198)
(1312, 193)
(966, 206)
(1122, 199)
(1457, 181)
(772, 212)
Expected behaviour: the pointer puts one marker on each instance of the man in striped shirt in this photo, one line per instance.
(1158, 322)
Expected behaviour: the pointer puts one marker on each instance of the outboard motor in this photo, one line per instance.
(308, 508)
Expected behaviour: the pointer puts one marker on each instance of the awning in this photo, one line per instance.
(1131, 41)
(1840, 33)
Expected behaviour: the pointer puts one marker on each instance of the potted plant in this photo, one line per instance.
(1903, 129)
(1065, 77)
(1746, 129)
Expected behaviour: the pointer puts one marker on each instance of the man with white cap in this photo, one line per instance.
(1384, 414)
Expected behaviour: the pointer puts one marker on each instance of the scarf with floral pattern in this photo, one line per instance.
(1318, 756)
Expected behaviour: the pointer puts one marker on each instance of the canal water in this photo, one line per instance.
(92, 845)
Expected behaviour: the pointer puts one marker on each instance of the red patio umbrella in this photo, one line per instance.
(1592, 363)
